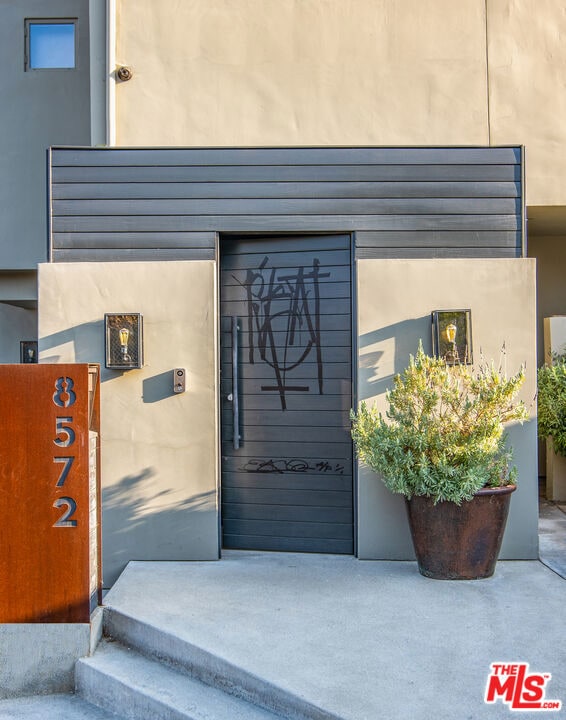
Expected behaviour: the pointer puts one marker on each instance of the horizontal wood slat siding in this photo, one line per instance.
(311, 206)
(290, 156)
(121, 254)
(327, 189)
(278, 173)
(270, 223)
(169, 204)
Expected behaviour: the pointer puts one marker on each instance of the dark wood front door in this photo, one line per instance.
(286, 447)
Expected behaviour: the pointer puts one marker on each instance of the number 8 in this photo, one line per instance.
(64, 395)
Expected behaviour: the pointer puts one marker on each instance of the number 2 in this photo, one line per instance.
(65, 519)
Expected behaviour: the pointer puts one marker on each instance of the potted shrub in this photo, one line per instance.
(442, 446)
(551, 401)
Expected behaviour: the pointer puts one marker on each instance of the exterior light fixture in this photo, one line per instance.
(124, 340)
(452, 336)
(28, 351)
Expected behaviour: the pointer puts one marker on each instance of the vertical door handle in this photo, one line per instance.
(235, 389)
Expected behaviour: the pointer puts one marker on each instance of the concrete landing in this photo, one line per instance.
(360, 640)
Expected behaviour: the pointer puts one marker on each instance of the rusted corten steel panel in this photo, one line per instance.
(49, 548)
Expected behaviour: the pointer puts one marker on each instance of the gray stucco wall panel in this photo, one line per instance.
(16, 324)
(395, 299)
(39, 108)
(158, 449)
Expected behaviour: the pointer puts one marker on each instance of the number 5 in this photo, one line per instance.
(62, 428)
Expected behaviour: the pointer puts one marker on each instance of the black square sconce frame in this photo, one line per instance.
(452, 336)
(28, 351)
(124, 340)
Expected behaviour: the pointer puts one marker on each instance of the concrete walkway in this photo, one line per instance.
(362, 640)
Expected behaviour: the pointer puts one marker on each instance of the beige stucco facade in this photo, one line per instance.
(527, 89)
(160, 455)
(395, 300)
(289, 72)
(325, 72)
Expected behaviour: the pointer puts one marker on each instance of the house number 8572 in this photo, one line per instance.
(63, 397)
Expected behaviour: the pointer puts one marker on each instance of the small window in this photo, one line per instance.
(50, 44)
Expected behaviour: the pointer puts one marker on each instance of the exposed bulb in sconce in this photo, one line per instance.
(451, 333)
(124, 337)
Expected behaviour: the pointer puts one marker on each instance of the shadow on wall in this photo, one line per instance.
(132, 511)
(406, 335)
(87, 341)
(158, 387)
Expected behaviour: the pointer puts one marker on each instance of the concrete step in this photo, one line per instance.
(139, 688)
(212, 670)
(52, 707)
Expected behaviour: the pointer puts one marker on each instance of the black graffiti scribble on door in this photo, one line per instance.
(291, 465)
(289, 301)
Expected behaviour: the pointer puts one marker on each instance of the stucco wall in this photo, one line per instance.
(378, 72)
(550, 253)
(290, 72)
(39, 108)
(159, 450)
(527, 89)
(15, 324)
(395, 299)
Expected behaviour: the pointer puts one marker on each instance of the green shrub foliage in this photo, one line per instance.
(444, 435)
(551, 401)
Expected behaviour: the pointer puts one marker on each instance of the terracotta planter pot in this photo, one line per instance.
(459, 542)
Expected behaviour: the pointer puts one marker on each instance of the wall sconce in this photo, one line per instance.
(124, 340)
(28, 351)
(452, 336)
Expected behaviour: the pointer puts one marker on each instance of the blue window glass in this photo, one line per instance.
(51, 45)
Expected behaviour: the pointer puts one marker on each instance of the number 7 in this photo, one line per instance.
(68, 462)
